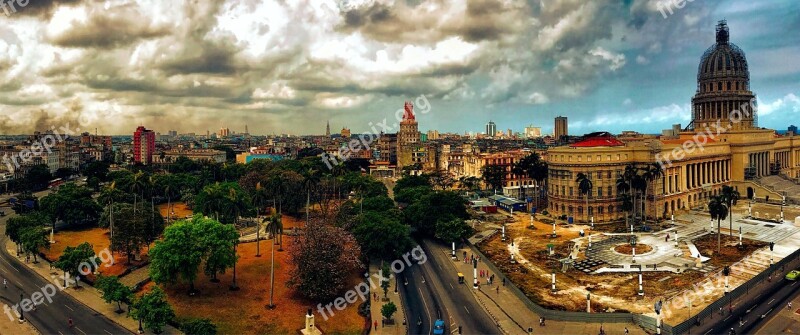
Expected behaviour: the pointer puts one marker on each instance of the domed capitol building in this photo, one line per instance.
(722, 145)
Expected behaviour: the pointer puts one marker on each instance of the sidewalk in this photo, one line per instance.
(14, 327)
(89, 296)
(513, 316)
(398, 328)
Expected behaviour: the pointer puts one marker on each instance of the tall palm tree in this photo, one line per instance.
(730, 195)
(137, 186)
(519, 171)
(274, 227)
(585, 186)
(653, 172)
(310, 180)
(259, 200)
(639, 184)
(719, 211)
(623, 187)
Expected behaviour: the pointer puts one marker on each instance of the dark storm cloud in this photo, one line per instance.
(113, 27)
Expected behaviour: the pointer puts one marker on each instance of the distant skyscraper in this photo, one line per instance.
(408, 137)
(793, 129)
(560, 128)
(491, 129)
(224, 132)
(144, 143)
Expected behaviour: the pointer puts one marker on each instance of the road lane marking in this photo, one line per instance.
(793, 284)
(108, 332)
(60, 332)
(80, 330)
(773, 299)
(751, 308)
(428, 311)
(465, 308)
(709, 331)
(451, 286)
(70, 308)
(9, 264)
(765, 314)
(726, 319)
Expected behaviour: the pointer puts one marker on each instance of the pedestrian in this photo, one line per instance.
(5, 283)
(626, 330)
(498, 290)
(376, 325)
(541, 322)
(504, 281)
(789, 306)
(69, 322)
(666, 238)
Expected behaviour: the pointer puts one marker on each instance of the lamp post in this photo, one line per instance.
(740, 236)
(771, 247)
(234, 287)
(554, 228)
(633, 249)
(588, 302)
(657, 309)
(553, 289)
(641, 290)
(475, 273)
(783, 203)
(590, 242)
(592, 220)
(504, 233)
(676, 238)
(453, 256)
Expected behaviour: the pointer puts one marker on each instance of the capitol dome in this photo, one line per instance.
(723, 64)
(723, 87)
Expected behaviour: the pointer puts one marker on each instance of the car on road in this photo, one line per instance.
(793, 275)
(438, 327)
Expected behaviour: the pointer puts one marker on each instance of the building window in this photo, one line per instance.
(729, 86)
(608, 173)
(599, 192)
(600, 210)
(591, 212)
(610, 209)
(608, 157)
(617, 156)
(588, 158)
(570, 191)
(610, 192)
(599, 174)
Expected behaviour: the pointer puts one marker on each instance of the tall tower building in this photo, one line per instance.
(144, 144)
(560, 127)
(723, 86)
(328, 129)
(491, 129)
(408, 137)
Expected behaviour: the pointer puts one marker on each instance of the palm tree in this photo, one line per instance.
(137, 186)
(259, 200)
(719, 211)
(653, 172)
(730, 195)
(623, 187)
(275, 227)
(585, 186)
(519, 171)
(310, 180)
(639, 184)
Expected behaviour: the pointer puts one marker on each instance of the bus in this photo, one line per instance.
(55, 183)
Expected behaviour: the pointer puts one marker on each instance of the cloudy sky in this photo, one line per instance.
(288, 66)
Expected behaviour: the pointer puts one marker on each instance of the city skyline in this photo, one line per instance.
(596, 63)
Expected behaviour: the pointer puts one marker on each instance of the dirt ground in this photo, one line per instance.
(610, 291)
(99, 239)
(245, 312)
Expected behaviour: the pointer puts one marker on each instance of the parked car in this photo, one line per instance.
(793, 275)
(438, 327)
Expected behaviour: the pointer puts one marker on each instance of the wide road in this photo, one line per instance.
(761, 305)
(49, 317)
(433, 292)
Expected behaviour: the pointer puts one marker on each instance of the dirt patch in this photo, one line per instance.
(245, 312)
(627, 249)
(730, 252)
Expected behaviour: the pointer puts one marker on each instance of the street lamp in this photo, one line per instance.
(588, 303)
(553, 289)
(641, 290)
(234, 287)
(657, 309)
(592, 220)
(633, 249)
(475, 273)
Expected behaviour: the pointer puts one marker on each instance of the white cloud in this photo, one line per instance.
(616, 61)
(790, 103)
(642, 60)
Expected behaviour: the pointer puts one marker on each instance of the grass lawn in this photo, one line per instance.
(99, 239)
(244, 311)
